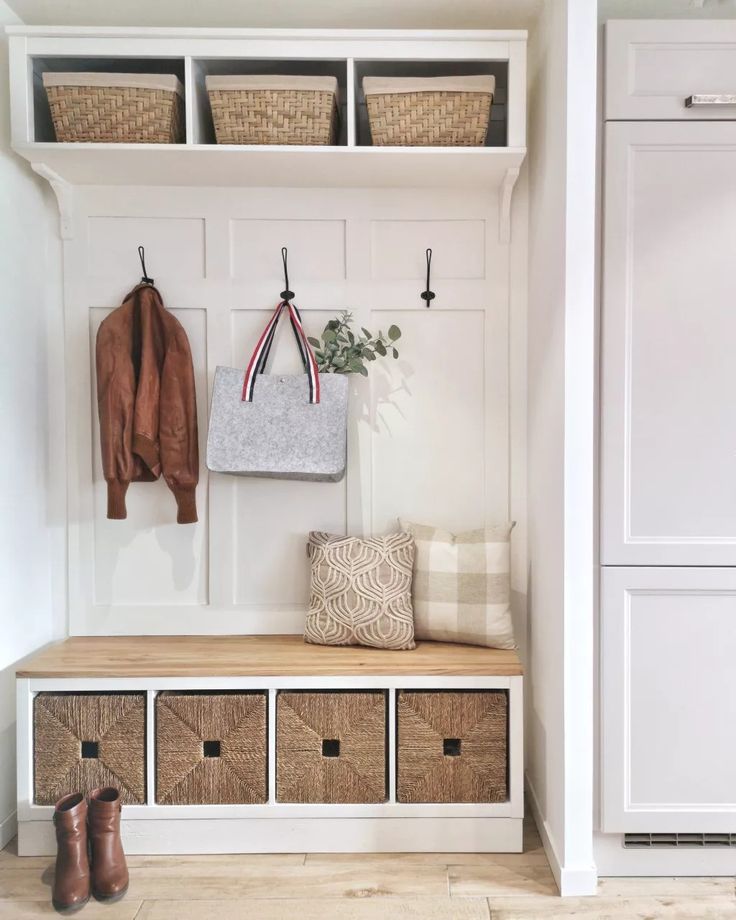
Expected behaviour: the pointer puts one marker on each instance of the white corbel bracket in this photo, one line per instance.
(64, 198)
(504, 204)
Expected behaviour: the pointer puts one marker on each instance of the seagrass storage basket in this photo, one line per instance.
(210, 748)
(276, 109)
(118, 108)
(452, 746)
(429, 111)
(85, 740)
(331, 747)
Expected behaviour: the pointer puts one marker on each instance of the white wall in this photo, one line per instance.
(561, 435)
(32, 509)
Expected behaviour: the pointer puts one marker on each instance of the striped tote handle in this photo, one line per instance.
(259, 358)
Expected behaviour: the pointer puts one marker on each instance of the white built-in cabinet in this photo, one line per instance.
(668, 430)
(357, 221)
(669, 338)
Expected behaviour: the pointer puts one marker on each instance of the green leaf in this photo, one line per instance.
(315, 343)
(396, 354)
(394, 333)
(365, 332)
(380, 348)
(363, 370)
(368, 355)
(351, 337)
(329, 335)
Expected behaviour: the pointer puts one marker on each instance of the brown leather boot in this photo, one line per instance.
(71, 880)
(109, 869)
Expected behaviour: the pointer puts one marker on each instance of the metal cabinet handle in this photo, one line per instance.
(718, 99)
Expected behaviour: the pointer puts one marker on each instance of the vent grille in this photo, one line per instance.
(672, 841)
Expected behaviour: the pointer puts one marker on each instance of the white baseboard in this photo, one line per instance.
(8, 829)
(298, 835)
(573, 881)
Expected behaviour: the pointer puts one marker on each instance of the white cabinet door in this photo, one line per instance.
(668, 640)
(653, 67)
(668, 453)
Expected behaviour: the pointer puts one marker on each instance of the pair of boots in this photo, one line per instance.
(88, 834)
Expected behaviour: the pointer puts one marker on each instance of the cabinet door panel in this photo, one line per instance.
(669, 345)
(653, 67)
(668, 639)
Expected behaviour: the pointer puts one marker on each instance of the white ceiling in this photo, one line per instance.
(357, 14)
(666, 9)
(349, 14)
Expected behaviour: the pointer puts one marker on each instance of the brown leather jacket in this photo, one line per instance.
(147, 403)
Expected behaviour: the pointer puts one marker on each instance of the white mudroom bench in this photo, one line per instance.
(322, 749)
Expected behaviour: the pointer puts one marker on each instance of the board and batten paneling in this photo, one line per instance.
(284, 510)
(427, 437)
(148, 558)
(398, 253)
(176, 244)
(427, 408)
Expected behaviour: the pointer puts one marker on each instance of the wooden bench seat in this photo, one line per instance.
(256, 656)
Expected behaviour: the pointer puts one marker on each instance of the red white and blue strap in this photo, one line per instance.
(259, 358)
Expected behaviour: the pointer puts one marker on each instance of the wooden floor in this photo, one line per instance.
(358, 887)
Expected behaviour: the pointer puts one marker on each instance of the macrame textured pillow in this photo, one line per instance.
(361, 591)
(461, 589)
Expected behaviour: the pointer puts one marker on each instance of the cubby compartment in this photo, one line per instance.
(331, 747)
(203, 126)
(85, 740)
(211, 748)
(452, 746)
(496, 136)
(43, 127)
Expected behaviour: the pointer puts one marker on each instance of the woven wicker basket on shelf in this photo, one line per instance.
(274, 109)
(429, 111)
(85, 740)
(123, 108)
(210, 748)
(452, 747)
(331, 747)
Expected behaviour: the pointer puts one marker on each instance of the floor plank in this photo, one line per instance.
(600, 908)
(9, 859)
(667, 887)
(496, 881)
(536, 857)
(252, 880)
(320, 909)
(335, 881)
(30, 910)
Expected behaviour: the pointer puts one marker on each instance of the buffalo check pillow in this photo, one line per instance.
(461, 585)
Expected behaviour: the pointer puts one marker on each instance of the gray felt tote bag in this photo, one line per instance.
(279, 426)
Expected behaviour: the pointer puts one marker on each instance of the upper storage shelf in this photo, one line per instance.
(194, 54)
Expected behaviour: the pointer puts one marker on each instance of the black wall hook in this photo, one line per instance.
(428, 296)
(286, 294)
(142, 256)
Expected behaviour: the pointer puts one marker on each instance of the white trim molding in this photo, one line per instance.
(572, 881)
(8, 829)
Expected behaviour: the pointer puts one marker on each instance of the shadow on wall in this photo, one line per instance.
(7, 755)
(535, 734)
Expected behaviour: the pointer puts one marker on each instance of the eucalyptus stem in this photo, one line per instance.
(341, 351)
